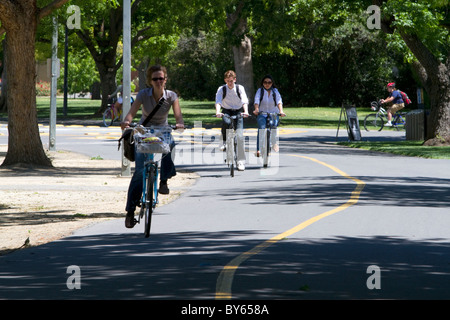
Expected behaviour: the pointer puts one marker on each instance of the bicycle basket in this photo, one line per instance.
(374, 106)
(153, 140)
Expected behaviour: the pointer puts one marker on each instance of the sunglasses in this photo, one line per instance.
(160, 79)
(267, 82)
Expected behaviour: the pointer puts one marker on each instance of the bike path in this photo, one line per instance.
(398, 224)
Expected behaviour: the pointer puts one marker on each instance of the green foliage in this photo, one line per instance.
(423, 18)
(197, 65)
(82, 72)
(329, 66)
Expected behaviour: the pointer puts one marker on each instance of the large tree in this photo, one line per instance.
(423, 26)
(153, 24)
(19, 19)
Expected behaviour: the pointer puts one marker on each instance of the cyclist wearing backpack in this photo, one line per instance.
(232, 100)
(395, 97)
(268, 100)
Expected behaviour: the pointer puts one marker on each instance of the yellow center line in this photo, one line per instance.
(225, 279)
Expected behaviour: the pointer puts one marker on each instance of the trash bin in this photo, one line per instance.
(415, 125)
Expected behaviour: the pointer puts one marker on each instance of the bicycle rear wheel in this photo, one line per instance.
(108, 117)
(373, 122)
(399, 122)
(148, 210)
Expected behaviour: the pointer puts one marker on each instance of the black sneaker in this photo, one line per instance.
(163, 188)
(130, 222)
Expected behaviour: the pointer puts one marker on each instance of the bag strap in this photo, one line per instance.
(159, 105)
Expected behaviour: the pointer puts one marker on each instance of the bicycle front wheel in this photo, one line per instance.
(231, 152)
(148, 211)
(373, 122)
(108, 117)
(266, 149)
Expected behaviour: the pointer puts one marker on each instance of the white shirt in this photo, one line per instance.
(232, 100)
(267, 104)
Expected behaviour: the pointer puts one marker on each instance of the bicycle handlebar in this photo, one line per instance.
(171, 126)
(270, 113)
(239, 115)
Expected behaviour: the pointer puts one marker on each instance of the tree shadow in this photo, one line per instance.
(186, 265)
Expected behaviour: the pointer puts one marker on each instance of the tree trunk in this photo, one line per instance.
(244, 66)
(24, 142)
(242, 52)
(436, 80)
(4, 76)
(108, 85)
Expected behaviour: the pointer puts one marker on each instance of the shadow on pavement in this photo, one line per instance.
(186, 266)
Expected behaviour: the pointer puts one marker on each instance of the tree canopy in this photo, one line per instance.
(321, 52)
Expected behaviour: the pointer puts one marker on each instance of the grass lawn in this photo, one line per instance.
(319, 117)
(203, 111)
(406, 148)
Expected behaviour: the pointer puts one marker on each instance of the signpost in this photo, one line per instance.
(351, 122)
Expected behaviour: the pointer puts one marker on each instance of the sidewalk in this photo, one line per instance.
(45, 205)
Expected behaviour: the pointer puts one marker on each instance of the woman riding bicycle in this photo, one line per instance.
(267, 100)
(397, 102)
(232, 99)
(149, 98)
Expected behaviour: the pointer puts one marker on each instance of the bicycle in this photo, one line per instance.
(266, 145)
(231, 142)
(111, 114)
(376, 121)
(151, 141)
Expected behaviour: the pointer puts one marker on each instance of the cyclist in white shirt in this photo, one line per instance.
(231, 99)
(268, 100)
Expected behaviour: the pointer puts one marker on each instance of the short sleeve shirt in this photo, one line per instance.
(267, 102)
(397, 97)
(232, 100)
(145, 97)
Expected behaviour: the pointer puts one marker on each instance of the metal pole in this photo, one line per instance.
(66, 70)
(52, 129)
(126, 169)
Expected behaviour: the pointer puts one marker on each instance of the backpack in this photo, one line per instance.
(405, 98)
(224, 91)
(261, 96)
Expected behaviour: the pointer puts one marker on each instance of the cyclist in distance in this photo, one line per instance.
(395, 98)
(149, 98)
(267, 100)
(118, 104)
(231, 99)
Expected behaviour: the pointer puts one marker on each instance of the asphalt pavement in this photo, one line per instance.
(322, 222)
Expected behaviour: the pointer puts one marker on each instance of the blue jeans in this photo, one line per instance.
(239, 125)
(135, 188)
(262, 121)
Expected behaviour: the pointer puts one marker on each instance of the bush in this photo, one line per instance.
(43, 88)
(197, 66)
